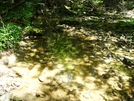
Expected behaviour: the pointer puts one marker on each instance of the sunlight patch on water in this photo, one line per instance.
(79, 79)
(58, 94)
(32, 54)
(93, 38)
(22, 43)
(34, 50)
(98, 53)
(68, 59)
(108, 60)
(70, 66)
(89, 79)
(59, 65)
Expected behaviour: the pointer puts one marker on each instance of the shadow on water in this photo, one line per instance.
(88, 74)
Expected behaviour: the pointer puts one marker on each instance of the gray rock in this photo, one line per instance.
(5, 97)
(7, 89)
(2, 93)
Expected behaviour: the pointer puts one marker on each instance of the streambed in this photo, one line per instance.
(93, 72)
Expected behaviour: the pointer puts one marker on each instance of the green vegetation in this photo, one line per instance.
(20, 21)
(9, 36)
(14, 24)
(22, 17)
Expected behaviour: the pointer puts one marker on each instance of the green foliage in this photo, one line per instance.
(10, 32)
(85, 7)
(127, 23)
(81, 7)
(78, 7)
(129, 4)
(17, 99)
(23, 14)
(9, 36)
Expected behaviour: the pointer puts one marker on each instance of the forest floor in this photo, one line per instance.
(95, 70)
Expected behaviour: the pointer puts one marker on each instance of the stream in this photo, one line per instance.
(79, 64)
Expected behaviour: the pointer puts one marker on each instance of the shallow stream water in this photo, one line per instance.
(93, 71)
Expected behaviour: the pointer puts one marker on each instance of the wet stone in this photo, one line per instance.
(41, 79)
(37, 95)
(106, 76)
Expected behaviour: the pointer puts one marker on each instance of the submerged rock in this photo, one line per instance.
(128, 62)
(106, 76)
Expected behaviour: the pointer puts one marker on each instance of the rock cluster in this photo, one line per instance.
(8, 82)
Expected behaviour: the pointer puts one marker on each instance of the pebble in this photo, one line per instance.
(17, 84)
(41, 79)
(37, 95)
(2, 93)
(7, 89)
(5, 97)
(7, 83)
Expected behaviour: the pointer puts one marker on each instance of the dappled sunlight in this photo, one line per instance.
(81, 64)
(67, 50)
(69, 75)
(88, 75)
